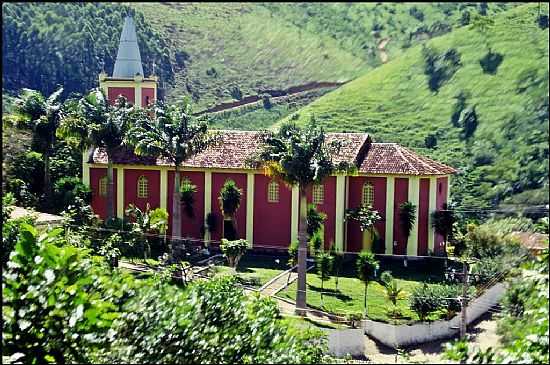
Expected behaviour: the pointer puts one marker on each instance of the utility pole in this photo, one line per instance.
(464, 299)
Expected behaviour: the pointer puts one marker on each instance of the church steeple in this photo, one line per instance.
(128, 60)
(128, 78)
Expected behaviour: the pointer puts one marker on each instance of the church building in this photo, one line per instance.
(387, 176)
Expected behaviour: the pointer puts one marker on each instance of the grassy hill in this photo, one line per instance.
(502, 150)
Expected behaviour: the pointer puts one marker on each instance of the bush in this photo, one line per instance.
(11, 228)
(266, 100)
(212, 322)
(187, 196)
(468, 122)
(424, 300)
(490, 62)
(67, 189)
(233, 250)
(58, 303)
(315, 220)
(440, 67)
(430, 141)
(316, 243)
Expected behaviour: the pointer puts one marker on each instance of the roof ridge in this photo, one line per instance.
(399, 150)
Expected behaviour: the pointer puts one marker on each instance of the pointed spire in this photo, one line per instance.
(128, 59)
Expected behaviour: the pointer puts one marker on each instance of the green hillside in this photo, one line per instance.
(501, 147)
(216, 52)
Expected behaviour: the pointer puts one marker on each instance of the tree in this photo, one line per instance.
(292, 257)
(390, 284)
(407, 218)
(366, 266)
(323, 261)
(171, 132)
(43, 116)
(233, 250)
(337, 263)
(300, 157)
(93, 121)
(230, 200)
(442, 221)
(146, 223)
(366, 217)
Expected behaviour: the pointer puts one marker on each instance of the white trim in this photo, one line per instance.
(294, 214)
(120, 192)
(390, 195)
(414, 198)
(340, 212)
(431, 209)
(346, 206)
(137, 94)
(164, 189)
(85, 169)
(250, 209)
(207, 199)
(448, 188)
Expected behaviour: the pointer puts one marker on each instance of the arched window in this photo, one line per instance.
(143, 187)
(318, 194)
(367, 199)
(103, 186)
(273, 192)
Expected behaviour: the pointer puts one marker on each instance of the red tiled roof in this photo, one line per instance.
(391, 158)
(236, 147)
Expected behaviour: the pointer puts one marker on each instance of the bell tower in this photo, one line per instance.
(128, 78)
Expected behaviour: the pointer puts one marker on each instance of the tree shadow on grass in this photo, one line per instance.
(331, 293)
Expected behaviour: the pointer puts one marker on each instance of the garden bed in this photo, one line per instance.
(349, 297)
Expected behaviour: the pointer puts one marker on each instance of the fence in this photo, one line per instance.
(398, 336)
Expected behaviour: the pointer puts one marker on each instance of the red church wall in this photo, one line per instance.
(99, 203)
(271, 219)
(147, 94)
(440, 200)
(218, 179)
(190, 226)
(328, 207)
(131, 188)
(128, 92)
(423, 214)
(354, 234)
(401, 195)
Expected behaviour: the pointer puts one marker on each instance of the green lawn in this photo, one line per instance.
(349, 298)
(303, 323)
(263, 268)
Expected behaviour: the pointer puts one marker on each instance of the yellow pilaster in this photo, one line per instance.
(340, 212)
(207, 199)
(85, 169)
(294, 214)
(120, 192)
(250, 208)
(390, 187)
(412, 244)
(164, 189)
(431, 209)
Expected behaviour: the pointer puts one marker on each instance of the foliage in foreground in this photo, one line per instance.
(524, 325)
(63, 305)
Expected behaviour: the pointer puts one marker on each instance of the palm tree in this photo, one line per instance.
(407, 218)
(93, 121)
(147, 222)
(230, 200)
(442, 222)
(299, 157)
(324, 262)
(171, 132)
(43, 116)
(366, 266)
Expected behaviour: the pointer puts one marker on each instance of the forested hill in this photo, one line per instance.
(217, 52)
(476, 98)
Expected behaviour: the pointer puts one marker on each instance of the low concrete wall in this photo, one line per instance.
(405, 335)
(348, 341)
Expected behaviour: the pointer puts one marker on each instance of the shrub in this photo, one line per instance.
(324, 262)
(266, 100)
(424, 300)
(386, 277)
(11, 228)
(490, 62)
(365, 216)
(316, 243)
(440, 68)
(58, 303)
(233, 251)
(468, 122)
(315, 220)
(67, 189)
(211, 322)
(187, 196)
(236, 93)
(430, 141)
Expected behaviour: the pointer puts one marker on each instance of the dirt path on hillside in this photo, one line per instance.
(382, 49)
(482, 334)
